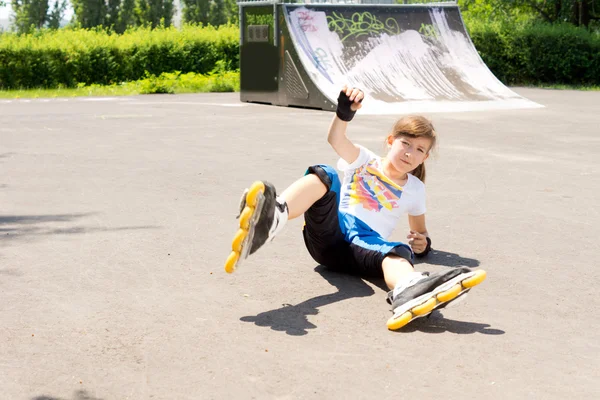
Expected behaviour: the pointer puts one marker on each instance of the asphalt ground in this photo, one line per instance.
(116, 217)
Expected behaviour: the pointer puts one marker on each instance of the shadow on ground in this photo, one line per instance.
(293, 319)
(14, 227)
(447, 259)
(436, 323)
(78, 395)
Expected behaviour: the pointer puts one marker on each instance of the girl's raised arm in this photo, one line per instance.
(339, 141)
(349, 102)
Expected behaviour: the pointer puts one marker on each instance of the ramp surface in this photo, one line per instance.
(405, 58)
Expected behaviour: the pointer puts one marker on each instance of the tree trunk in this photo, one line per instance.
(557, 10)
(584, 13)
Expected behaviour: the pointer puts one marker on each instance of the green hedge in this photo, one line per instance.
(538, 53)
(66, 57)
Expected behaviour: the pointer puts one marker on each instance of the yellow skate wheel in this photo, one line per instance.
(238, 239)
(231, 261)
(397, 323)
(475, 279)
(449, 294)
(256, 188)
(245, 218)
(425, 307)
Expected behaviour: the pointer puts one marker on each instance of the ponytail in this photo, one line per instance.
(419, 172)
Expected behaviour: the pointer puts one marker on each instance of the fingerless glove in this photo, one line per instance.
(343, 109)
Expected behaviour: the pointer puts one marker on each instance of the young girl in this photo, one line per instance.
(348, 222)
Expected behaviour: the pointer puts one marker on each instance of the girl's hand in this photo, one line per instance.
(417, 242)
(355, 95)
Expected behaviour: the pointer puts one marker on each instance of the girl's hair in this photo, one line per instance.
(414, 126)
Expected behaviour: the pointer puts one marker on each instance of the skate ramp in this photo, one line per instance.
(405, 59)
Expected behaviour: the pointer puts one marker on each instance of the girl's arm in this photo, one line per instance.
(337, 138)
(417, 238)
(348, 103)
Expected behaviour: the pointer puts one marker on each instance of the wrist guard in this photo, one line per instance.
(427, 249)
(344, 112)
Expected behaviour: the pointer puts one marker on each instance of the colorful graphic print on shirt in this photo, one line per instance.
(373, 190)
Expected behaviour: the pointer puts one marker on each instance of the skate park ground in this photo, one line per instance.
(117, 216)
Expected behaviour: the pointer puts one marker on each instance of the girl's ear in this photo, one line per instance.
(390, 140)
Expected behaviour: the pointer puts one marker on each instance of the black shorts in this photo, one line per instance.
(328, 241)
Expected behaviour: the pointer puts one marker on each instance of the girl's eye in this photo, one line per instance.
(422, 151)
(405, 143)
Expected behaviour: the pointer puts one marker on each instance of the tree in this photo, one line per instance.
(112, 13)
(217, 15)
(57, 13)
(577, 12)
(29, 14)
(156, 12)
(89, 13)
(232, 9)
(127, 16)
(214, 12)
(196, 11)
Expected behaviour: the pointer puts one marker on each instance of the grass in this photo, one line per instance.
(94, 90)
(172, 83)
(567, 87)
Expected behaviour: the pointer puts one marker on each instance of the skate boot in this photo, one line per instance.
(262, 215)
(420, 293)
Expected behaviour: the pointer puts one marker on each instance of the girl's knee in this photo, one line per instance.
(395, 261)
(327, 175)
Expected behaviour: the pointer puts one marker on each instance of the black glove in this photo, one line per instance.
(427, 249)
(343, 109)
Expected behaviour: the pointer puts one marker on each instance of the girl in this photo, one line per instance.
(348, 222)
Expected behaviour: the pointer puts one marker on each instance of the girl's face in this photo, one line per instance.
(406, 153)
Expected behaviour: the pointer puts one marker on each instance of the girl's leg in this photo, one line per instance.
(263, 217)
(302, 194)
(395, 268)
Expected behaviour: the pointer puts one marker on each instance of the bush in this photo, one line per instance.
(538, 53)
(189, 83)
(67, 57)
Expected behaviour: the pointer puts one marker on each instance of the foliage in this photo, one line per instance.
(89, 13)
(56, 15)
(127, 17)
(29, 14)
(210, 12)
(67, 57)
(538, 53)
(175, 82)
(577, 12)
(155, 12)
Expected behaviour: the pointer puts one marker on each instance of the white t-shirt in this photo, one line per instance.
(375, 199)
